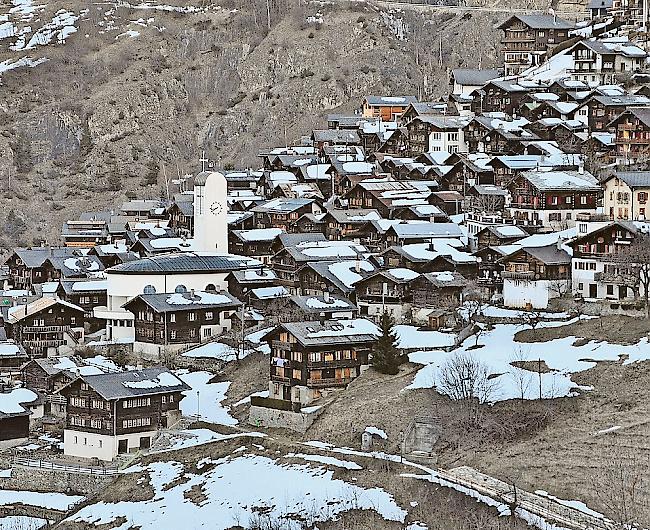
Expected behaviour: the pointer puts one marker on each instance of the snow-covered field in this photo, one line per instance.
(236, 489)
(500, 350)
(19, 522)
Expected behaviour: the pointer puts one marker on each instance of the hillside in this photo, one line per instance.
(135, 95)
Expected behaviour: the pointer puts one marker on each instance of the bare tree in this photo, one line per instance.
(620, 485)
(523, 378)
(633, 267)
(474, 300)
(466, 379)
(531, 319)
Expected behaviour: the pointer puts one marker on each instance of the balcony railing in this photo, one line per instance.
(342, 363)
(45, 329)
(518, 275)
(332, 381)
(280, 379)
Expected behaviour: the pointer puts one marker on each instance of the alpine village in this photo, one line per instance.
(424, 315)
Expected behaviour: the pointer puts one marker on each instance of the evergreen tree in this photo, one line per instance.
(386, 358)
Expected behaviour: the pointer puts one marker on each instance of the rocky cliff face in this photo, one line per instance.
(136, 94)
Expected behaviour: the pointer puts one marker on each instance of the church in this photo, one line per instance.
(203, 270)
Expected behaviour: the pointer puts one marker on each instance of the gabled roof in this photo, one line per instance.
(36, 256)
(390, 101)
(540, 22)
(136, 383)
(318, 304)
(339, 136)
(640, 113)
(282, 205)
(445, 279)
(170, 302)
(20, 312)
(562, 180)
(186, 262)
(315, 333)
(634, 179)
(629, 226)
(548, 255)
(473, 76)
(426, 230)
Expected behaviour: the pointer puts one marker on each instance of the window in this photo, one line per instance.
(136, 422)
(610, 289)
(97, 404)
(580, 286)
(209, 315)
(583, 199)
(207, 332)
(555, 216)
(568, 215)
(172, 334)
(164, 400)
(136, 402)
(76, 421)
(192, 333)
(567, 199)
(96, 424)
(172, 317)
(191, 316)
(149, 289)
(453, 137)
(554, 199)
(171, 398)
(541, 34)
(643, 196)
(180, 289)
(78, 402)
(296, 374)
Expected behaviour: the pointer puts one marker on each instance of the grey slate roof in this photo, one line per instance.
(458, 279)
(541, 22)
(340, 136)
(304, 331)
(549, 255)
(336, 303)
(291, 240)
(35, 257)
(634, 179)
(419, 230)
(158, 301)
(473, 76)
(185, 262)
(391, 101)
(111, 386)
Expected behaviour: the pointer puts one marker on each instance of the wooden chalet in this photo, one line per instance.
(308, 358)
(119, 413)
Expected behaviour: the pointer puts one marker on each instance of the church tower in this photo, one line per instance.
(210, 212)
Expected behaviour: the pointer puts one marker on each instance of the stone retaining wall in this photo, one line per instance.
(268, 417)
(48, 480)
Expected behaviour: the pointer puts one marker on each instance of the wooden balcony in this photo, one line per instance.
(342, 363)
(528, 276)
(280, 379)
(332, 381)
(45, 329)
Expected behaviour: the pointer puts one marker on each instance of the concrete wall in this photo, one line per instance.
(102, 446)
(268, 417)
(518, 294)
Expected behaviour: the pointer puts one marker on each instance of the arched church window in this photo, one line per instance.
(149, 289)
(210, 287)
(180, 289)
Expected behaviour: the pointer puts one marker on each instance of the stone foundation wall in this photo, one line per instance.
(47, 480)
(268, 417)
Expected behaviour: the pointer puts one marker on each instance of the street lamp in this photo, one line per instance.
(198, 409)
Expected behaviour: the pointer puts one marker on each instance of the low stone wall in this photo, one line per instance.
(268, 417)
(47, 480)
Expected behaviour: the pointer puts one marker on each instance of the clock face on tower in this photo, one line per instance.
(216, 208)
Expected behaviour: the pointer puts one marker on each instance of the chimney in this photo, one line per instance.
(559, 243)
(192, 294)
(581, 168)
(357, 265)
(321, 318)
(326, 297)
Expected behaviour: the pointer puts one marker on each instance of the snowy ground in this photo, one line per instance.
(221, 494)
(18, 522)
(56, 501)
(205, 398)
(499, 350)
